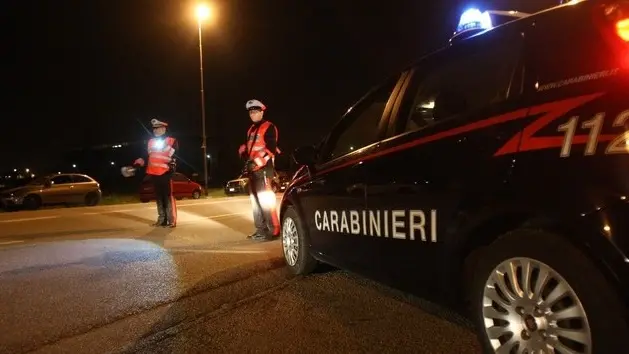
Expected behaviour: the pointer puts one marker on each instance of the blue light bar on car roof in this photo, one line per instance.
(474, 19)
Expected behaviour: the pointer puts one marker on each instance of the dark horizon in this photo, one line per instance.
(86, 74)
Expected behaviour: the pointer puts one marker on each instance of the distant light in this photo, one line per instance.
(474, 19)
(27, 170)
(73, 166)
(208, 156)
(32, 175)
(428, 105)
(112, 163)
(15, 170)
(58, 173)
(606, 228)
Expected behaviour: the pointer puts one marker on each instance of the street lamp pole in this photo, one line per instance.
(204, 144)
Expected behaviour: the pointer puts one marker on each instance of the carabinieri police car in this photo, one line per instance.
(492, 176)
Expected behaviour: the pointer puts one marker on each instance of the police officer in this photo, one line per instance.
(259, 152)
(160, 168)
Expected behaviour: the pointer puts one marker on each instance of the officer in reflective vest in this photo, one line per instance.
(259, 152)
(160, 168)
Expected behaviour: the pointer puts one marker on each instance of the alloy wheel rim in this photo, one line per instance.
(290, 241)
(528, 308)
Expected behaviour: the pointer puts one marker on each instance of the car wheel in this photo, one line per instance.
(532, 290)
(32, 202)
(295, 244)
(91, 199)
(196, 194)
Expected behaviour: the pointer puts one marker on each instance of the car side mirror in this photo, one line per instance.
(305, 155)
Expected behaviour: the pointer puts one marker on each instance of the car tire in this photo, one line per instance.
(586, 291)
(32, 202)
(196, 194)
(295, 245)
(92, 199)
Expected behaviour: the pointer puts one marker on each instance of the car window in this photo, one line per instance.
(81, 179)
(180, 177)
(359, 127)
(61, 180)
(461, 84)
(583, 57)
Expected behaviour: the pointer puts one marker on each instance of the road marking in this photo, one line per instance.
(221, 251)
(207, 218)
(152, 207)
(213, 202)
(29, 219)
(10, 242)
(114, 211)
(226, 215)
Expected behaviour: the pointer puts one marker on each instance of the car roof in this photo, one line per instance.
(489, 35)
(67, 174)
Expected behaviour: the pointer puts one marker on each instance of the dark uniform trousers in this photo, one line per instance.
(166, 205)
(263, 202)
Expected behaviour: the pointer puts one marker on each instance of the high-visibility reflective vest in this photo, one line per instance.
(161, 151)
(257, 150)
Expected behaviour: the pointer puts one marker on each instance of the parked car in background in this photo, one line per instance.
(183, 187)
(283, 180)
(61, 188)
(240, 185)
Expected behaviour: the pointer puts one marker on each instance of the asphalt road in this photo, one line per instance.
(101, 280)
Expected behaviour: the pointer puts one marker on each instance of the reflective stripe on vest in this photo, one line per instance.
(256, 147)
(161, 152)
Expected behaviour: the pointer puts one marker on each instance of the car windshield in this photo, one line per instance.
(38, 181)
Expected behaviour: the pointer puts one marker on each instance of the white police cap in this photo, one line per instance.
(255, 104)
(156, 123)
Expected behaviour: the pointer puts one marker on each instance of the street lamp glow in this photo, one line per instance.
(203, 12)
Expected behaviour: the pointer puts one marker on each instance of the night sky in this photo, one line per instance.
(81, 73)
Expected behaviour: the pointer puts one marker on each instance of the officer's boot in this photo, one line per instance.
(161, 219)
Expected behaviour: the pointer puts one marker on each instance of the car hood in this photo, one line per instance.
(237, 180)
(23, 189)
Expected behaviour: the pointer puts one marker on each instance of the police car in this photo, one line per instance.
(491, 176)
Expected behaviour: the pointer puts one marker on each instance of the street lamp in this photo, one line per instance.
(203, 13)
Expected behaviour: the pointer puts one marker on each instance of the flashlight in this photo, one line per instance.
(158, 143)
